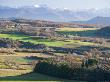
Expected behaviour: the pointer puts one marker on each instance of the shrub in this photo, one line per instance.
(91, 62)
(62, 68)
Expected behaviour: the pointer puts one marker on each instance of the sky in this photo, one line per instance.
(61, 4)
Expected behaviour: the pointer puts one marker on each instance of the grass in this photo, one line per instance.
(85, 32)
(3, 66)
(21, 59)
(12, 72)
(25, 75)
(39, 55)
(13, 75)
(34, 77)
(75, 29)
(32, 81)
(46, 41)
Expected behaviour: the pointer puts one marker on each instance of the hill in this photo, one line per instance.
(104, 32)
(96, 20)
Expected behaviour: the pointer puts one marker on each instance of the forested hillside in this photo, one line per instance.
(104, 32)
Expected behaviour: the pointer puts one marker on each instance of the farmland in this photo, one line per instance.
(84, 32)
(46, 41)
(7, 74)
(32, 53)
(76, 29)
(33, 77)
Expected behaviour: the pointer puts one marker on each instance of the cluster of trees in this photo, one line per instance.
(78, 33)
(70, 67)
(104, 32)
(29, 30)
(9, 43)
(58, 67)
(36, 23)
(88, 39)
(7, 51)
(12, 65)
(9, 63)
(78, 50)
(28, 27)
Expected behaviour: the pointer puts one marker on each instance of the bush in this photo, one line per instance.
(9, 43)
(66, 70)
(91, 62)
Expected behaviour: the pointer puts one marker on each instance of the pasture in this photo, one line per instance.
(25, 61)
(36, 77)
(46, 41)
(84, 32)
(75, 29)
(25, 75)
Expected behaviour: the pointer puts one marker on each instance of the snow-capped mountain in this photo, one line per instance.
(46, 13)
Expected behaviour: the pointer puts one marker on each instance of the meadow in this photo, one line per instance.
(46, 41)
(75, 29)
(34, 77)
(83, 32)
(25, 75)
(22, 59)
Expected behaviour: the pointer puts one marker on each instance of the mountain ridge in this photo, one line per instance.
(46, 13)
(96, 20)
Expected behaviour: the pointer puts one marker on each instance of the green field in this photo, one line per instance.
(34, 77)
(77, 31)
(46, 41)
(13, 75)
(26, 75)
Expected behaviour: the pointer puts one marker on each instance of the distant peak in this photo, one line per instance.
(101, 17)
(66, 9)
(37, 6)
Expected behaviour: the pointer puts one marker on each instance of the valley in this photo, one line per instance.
(34, 50)
(54, 40)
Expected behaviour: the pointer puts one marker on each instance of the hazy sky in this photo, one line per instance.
(70, 4)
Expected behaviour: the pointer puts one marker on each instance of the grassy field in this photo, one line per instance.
(34, 77)
(24, 54)
(47, 42)
(22, 59)
(85, 32)
(75, 29)
(13, 75)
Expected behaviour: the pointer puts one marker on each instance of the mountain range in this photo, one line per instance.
(95, 20)
(46, 13)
